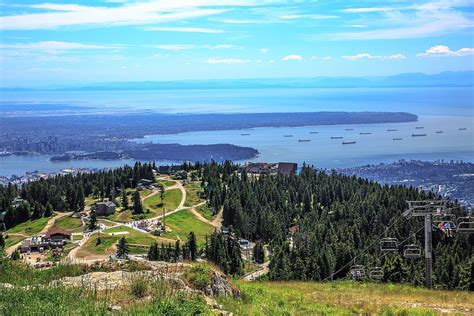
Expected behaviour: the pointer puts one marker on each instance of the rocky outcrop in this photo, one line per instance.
(220, 286)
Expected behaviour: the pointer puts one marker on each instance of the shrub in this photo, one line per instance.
(139, 287)
(199, 276)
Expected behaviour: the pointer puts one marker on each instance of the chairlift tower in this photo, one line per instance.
(427, 209)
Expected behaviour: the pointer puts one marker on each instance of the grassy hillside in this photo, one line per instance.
(257, 298)
(311, 298)
(181, 223)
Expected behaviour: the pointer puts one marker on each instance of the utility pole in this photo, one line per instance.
(426, 209)
(428, 254)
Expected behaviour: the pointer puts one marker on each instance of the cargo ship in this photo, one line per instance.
(336, 137)
(349, 129)
(392, 130)
(287, 135)
(462, 128)
(418, 135)
(348, 143)
(365, 133)
(244, 134)
(439, 132)
(304, 140)
(397, 138)
(419, 127)
(314, 132)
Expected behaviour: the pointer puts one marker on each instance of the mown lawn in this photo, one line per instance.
(30, 227)
(171, 201)
(344, 298)
(11, 240)
(192, 193)
(183, 222)
(135, 237)
(166, 183)
(67, 223)
(205, 211)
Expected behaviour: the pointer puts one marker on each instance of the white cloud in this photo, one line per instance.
(292, 58)
(180, 47)
(367, 10)
(174, 47)
(184, 29)
(263, 50)
(307, 16)
(412, 21)
(369, 56)
(52, 47)
(130, 13)
(48, 45)
(359, 26)
(227, 61)
(441, 50)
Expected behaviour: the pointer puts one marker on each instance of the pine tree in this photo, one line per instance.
(92, 221)
(137, 203)
(258, 253)
(80, 200)
(122, 248)
(124, 199)
(192, 246)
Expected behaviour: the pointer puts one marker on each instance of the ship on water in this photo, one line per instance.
(314, 132)
(462, 128)
(336, 137)
(348, 143)
(439, 132)
(397, 138)
(244, 134)
(419, 127)
(304, 140)
(392, 130)
(289, 135)
(349, 129)
(418, 135)
(365, 133)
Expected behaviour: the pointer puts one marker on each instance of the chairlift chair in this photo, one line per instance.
(357, 271)
(412, 251)
(465, 224)
(376, 273)
(389, 244)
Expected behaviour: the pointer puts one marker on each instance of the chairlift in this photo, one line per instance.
(357, 271)
(465, 224)
(389, 244)
(376, 273)
(428, 207)
(412, 251)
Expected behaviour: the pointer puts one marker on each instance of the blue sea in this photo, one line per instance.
(439, 109)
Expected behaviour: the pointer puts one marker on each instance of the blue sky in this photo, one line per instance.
(77, 41)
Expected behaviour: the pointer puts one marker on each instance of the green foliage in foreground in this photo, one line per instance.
(343, 298)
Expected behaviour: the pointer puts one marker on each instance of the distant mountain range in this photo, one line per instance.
(444, 79)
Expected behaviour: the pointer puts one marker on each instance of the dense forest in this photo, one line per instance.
(63, 193)
(337, 221)
(316, 224)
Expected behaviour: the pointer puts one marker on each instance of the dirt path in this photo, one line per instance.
(217, 221)
(253, 275)
(199, 216)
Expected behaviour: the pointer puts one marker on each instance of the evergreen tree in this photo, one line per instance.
(92, 221)
(137, 203)
(192, 245)
(122, 248)
(153, 252)
(259, 253)
(124, 199)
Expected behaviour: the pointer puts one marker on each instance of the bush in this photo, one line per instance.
(199, 275)
(139, 287)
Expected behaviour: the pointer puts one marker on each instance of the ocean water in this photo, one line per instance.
(445, 109)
